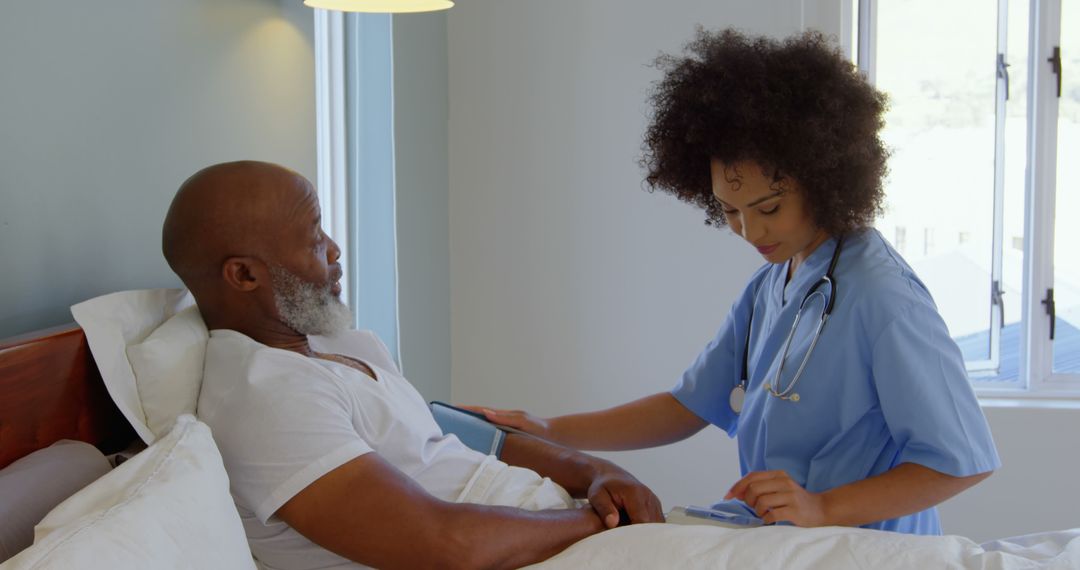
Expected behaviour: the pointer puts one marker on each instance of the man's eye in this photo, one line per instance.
(730, 212)
(772, 210)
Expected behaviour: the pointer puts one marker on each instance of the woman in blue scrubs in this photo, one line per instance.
(864, 419)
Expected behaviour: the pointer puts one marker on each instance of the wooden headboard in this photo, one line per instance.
(50, 389)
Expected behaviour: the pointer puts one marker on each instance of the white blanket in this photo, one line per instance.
(791, 548)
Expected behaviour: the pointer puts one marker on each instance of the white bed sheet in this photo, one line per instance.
(791, 548)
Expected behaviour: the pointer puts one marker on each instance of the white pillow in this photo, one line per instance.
(168, 369)
(118, 320)
(150, 347)
(167, 507)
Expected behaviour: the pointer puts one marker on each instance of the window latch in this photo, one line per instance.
(1050, 310)
(996, 296)
(1003, 73)
(1055, 65)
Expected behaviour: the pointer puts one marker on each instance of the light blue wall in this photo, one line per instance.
(421, 119)
(106, 107)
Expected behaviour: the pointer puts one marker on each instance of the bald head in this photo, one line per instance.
(246, 239)
(229, 209)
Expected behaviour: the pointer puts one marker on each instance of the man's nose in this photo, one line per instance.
(333, 252)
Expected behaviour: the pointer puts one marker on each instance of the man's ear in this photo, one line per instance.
(243, 273)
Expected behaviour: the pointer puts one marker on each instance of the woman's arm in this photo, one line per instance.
(649, 422)
(905, 489)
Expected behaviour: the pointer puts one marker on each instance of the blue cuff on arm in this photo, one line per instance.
(471, 428)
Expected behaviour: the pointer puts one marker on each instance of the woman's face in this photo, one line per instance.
(770, 214)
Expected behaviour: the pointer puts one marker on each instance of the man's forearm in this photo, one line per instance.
(612, 492)
(477, 536)
(573, 470)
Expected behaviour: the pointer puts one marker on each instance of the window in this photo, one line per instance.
(354, 93)
(984, 115)
(369, 95)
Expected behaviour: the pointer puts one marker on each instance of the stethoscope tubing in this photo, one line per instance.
(774, 388)
(829, 279)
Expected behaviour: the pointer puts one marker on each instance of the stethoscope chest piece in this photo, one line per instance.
(738, 395)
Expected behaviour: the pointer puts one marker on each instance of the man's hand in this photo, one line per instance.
(613, 489)
(776, 497)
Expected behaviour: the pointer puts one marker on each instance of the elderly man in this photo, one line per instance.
(334, 459)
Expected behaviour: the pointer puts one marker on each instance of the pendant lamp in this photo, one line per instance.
(381, 6)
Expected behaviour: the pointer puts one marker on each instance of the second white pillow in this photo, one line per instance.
(168, 369)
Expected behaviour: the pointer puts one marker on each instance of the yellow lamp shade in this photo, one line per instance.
(381, 6)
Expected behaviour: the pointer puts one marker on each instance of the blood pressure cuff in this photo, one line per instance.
(471, 428)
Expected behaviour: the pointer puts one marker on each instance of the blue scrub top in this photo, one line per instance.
(885, 384)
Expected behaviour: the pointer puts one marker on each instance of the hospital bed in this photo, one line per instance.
(169, 505)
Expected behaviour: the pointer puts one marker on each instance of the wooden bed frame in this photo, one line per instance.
(50, 389)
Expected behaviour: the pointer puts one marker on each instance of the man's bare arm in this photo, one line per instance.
(608, 487)
(368, 511)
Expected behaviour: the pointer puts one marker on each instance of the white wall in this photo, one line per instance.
(573, 289)
(106, 107)
(1036, 488)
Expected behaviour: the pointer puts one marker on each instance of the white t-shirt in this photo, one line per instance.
(283, 420)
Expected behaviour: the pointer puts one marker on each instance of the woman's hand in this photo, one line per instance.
(775, 497)
(517, 419)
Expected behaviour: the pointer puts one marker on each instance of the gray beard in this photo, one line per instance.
(306, 307)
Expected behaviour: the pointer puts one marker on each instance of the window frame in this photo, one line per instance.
(358, 197)
(330, 128)
(1041, 192)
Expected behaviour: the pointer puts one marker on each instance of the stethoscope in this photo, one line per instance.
(738, 393)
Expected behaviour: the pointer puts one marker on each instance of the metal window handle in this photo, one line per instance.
(997, 297)
(1003, 72)
(1050, 310)
(1055, 65)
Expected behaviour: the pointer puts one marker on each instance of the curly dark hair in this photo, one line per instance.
(794, 106)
